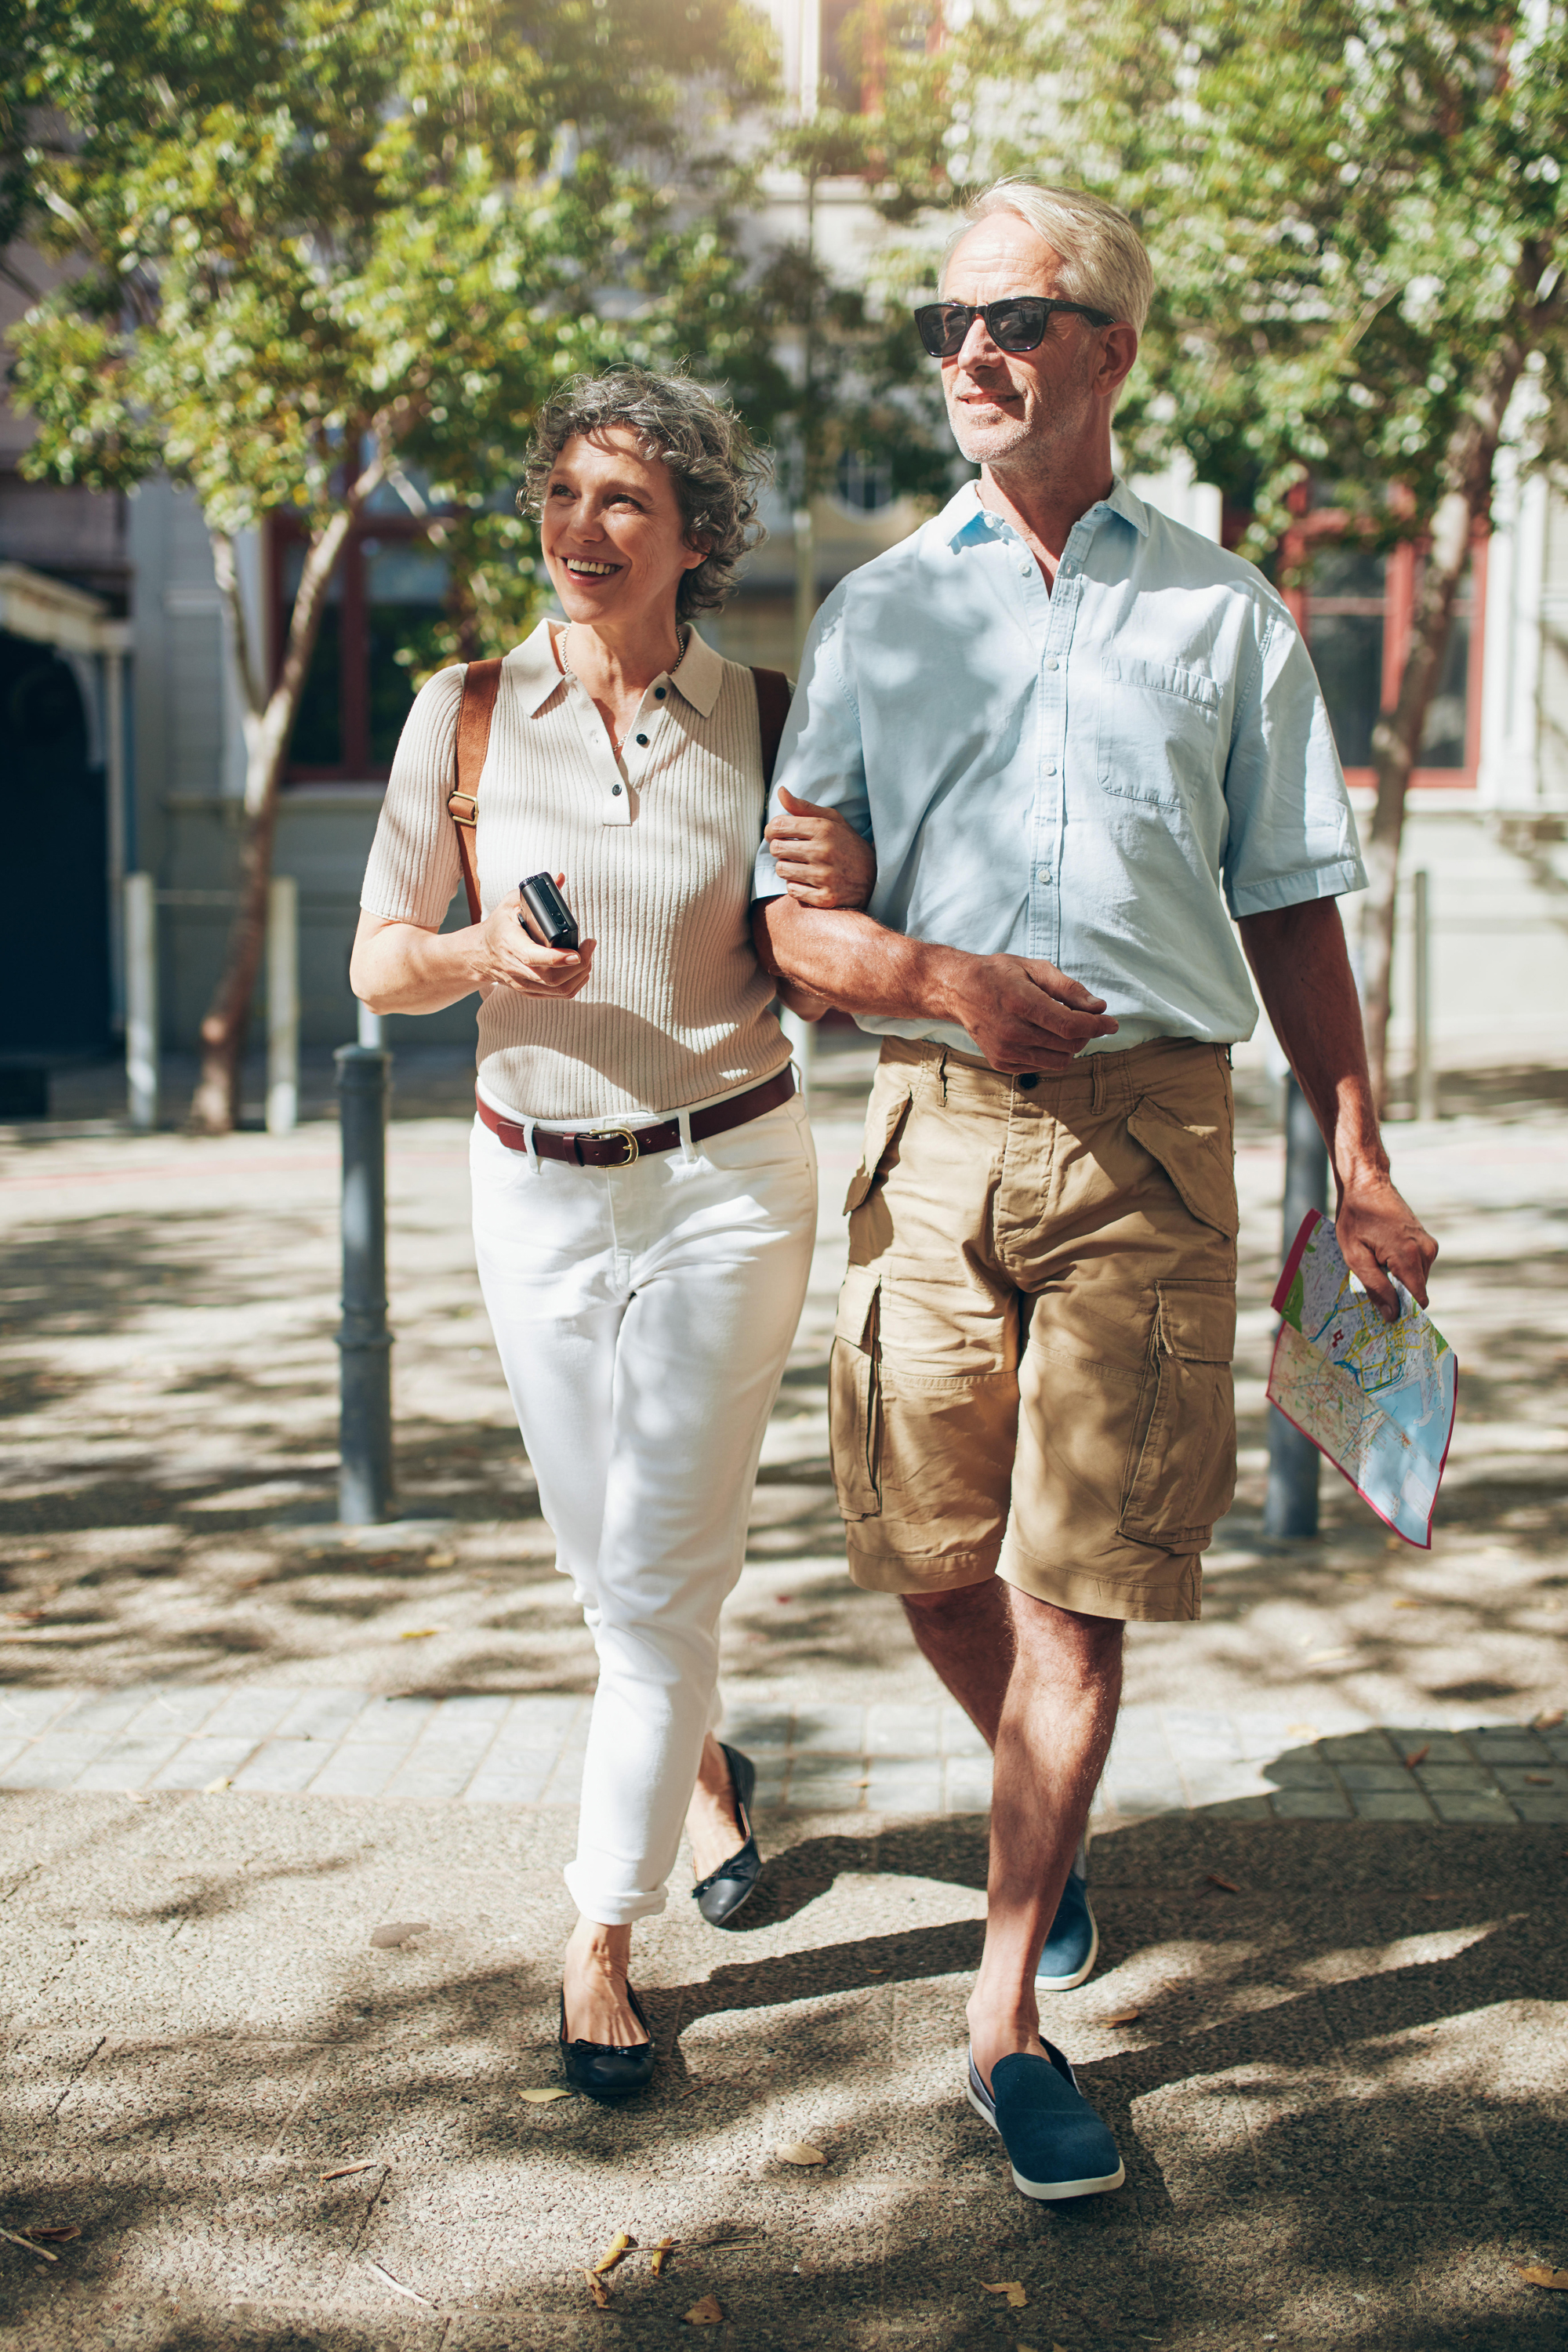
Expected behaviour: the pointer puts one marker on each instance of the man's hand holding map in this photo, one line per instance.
(1377, 1398)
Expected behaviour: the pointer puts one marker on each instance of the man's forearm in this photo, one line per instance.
(1298, 959)
(855, 963)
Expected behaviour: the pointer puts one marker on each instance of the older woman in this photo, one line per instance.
(644, 1181)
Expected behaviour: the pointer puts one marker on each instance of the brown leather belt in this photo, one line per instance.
(617, 1147)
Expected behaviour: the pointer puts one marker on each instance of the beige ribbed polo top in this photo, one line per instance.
(657, 846)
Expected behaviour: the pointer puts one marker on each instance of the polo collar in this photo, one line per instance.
(964, 518)
(534, 671)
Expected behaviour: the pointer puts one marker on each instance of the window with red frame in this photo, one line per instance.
(357, 693)
(1355, 611)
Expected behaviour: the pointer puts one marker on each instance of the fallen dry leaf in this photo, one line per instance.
(617, 2250)
(799, 2151)
(705, 2313)
(394, 1932)
(1549, 1719)
(1407, 1604)
(1229, 1884)
(42, 2252)
(1533, 2274)
(420, 1633)
(1538, 1779)
(598, 2290)
(542, 2097)
(1012, 2288)
(1302, 1730)
(661, 2254)
(214, 1788)
(1125, 2017)
(441, 1560)
(342, 2171)
(61, 2235)
(1418, 1756)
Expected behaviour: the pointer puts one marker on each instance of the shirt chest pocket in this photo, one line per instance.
(1159, 734)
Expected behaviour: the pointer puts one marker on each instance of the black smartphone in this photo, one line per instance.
(553, 919)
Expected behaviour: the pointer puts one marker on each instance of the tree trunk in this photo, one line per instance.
(268, 723)
(1397, 740)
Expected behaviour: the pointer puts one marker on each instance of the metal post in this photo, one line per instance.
(282, 1004)
(802, 1035)
(1426, 1104)
(805, 577)
(371, 1031)
(364, 1478)
(1294, 1462)
(142, 1001)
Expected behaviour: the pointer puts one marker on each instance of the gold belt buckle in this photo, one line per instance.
(633, 1150)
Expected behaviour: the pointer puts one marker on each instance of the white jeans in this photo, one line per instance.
(642, 1315)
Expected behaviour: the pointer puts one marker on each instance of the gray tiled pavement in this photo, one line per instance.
(882, 1758)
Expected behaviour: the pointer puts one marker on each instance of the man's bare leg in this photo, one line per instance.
(1063, 1684)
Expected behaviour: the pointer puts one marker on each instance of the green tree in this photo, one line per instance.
(318, 245)
(1357, 216)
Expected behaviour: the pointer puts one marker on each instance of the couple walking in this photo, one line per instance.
(1035, 755)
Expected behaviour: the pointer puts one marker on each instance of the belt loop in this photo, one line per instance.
(528, 1142)
(683, 1120)
(942, 1075)
(1097, 1081)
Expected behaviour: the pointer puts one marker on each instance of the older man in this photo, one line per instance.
(1076, 733)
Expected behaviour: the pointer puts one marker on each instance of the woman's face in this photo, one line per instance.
(614, 542)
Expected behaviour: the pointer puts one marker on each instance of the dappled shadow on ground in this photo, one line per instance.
(1333, 2058)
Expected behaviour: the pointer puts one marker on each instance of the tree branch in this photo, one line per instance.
(227, 572)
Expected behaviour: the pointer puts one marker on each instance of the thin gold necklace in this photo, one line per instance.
(569, 673)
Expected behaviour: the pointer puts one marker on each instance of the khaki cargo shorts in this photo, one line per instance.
(1030, 1373)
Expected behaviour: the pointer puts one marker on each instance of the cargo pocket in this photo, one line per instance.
(1181, 1466)
(1199, 1161)
(885, 1115)
(854, 1405)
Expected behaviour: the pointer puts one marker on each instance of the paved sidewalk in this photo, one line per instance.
(885, 1758)
(283, 1810)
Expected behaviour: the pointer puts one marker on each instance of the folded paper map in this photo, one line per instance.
(1377, 1398)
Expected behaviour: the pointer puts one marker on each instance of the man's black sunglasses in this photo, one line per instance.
(1016, 324)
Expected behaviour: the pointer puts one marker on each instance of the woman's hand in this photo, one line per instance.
(509, 956)
(821, 860)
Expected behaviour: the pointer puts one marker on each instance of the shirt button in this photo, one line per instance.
(643, 740)
(659, 692)
(614, 790)
(1024, 570)
(1050, 767)
(1053, 663)
(1028, 1079)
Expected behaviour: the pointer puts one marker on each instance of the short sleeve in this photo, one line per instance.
(1293, 833)
(414, 867)
(821, 756)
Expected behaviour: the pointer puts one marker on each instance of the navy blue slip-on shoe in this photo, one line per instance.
(1072, 1947)
(1055, 2143)
(721, 1895)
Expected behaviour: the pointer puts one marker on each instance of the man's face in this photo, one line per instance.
(1004, 404)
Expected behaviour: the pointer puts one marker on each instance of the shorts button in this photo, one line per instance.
(1030, 1079)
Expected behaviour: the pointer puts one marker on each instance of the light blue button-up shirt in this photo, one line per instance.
(1092, 773)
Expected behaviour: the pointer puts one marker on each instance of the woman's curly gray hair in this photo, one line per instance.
(713, 462)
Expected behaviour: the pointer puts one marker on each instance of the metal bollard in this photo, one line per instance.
(1294, 1462)
(282, 1004)
(365, 1443)
(142, 1001)
(802, 1035)
(1426, 1088)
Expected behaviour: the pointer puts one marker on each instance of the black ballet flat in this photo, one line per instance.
(721, 1895)
(601, 2069)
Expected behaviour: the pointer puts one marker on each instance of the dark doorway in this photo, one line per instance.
(54, 851)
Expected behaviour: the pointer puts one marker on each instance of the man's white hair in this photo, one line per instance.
(1104, 262)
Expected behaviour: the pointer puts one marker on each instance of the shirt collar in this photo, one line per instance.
(964, 516)
(536, 672)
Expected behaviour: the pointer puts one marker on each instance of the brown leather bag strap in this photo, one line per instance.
(482, 683)
(773, 709)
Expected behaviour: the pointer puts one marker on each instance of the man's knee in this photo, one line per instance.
(1043, 1630)
(955, 1602)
